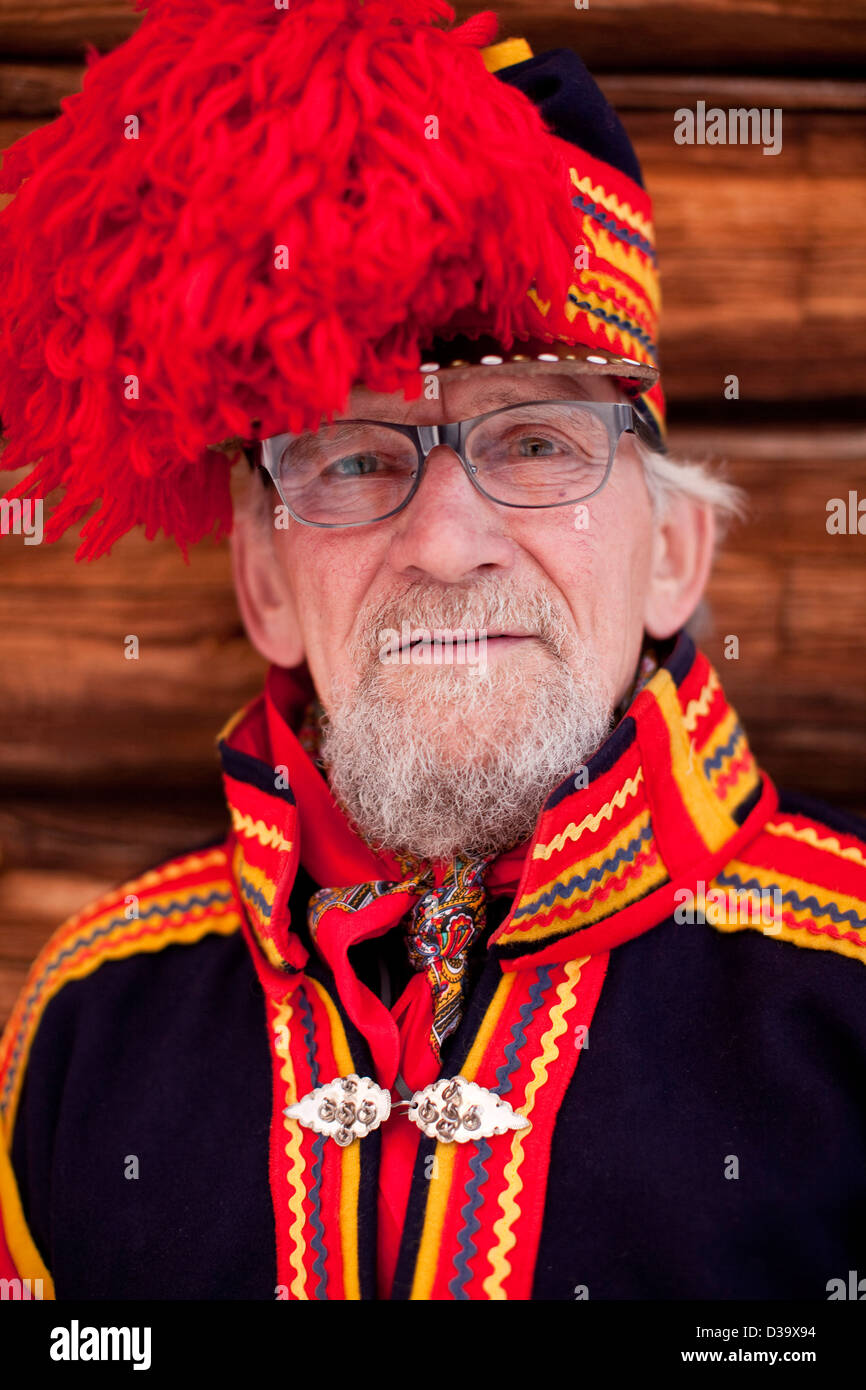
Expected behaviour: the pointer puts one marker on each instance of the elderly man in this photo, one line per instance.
(513, 977)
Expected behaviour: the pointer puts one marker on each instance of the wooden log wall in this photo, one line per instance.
(108, 766)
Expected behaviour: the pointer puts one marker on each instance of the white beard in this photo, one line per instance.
(438, 760)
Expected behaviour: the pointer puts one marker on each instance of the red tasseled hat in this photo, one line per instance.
(245, 212)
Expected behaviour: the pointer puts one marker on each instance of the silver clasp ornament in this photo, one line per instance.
(451, 1110)
(350, 1107)
(454, 1110)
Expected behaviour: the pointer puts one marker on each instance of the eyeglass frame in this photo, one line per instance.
(619, 418)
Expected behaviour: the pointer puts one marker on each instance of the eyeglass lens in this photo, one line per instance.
(527, 455)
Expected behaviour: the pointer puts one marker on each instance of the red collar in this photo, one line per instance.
(670, 796)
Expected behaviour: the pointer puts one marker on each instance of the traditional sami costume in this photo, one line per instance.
(692, 1072)
(622, 1060)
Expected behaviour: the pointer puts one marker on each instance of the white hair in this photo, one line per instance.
(668, 476)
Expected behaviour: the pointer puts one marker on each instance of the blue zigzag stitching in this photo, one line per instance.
(634, 329)
(315, 1191)
(155, 911)
(465, 1240)
(711, 764)
(610, 223)
(474, 1196)
(256, 896)
(624, 855)
(817, 909)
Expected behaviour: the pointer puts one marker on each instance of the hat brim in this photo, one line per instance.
(463, 355)
(535, 355)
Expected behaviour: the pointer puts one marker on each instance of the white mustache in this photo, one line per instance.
(488, 607)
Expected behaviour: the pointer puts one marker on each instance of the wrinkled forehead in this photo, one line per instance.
(463, 392)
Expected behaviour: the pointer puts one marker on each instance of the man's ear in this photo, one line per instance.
(682, 558)
(266, 602)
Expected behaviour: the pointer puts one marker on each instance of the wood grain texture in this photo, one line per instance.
(639, 34)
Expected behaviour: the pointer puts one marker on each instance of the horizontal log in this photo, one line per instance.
(116, 837)
(771, 35)
(649, 91)
(53, 29)
(683, 34)
(36, 90)
(29, 90)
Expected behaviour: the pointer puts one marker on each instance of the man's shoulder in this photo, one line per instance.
(807, 870)
(180, 902)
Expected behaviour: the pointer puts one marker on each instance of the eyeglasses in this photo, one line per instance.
(535, 454)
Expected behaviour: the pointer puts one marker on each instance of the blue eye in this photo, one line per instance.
(354, 465)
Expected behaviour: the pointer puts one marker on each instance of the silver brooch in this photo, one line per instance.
(452, 1110)
(456, 1110)
(346, 1109)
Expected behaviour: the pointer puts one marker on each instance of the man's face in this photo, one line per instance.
(450, 542)
(437, 758)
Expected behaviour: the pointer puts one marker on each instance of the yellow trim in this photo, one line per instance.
(107, 903)
(803, 887)
(502, 55)
(257, 877)
(721, 735)
(350, 1184)
(542, 305)
(234, 719)
(506, 1240)
(631, 831)
(28, 1262)
(592, 821)
(267, 835)
(292, 1149)
(735, 791)
(616, 289)
(112, 947)
(623, 211)
(621, 341)
(797, 936)
(702, 805)
(240, 866)
(798, 933)
(809, 836)
(628, 261)
(696, 709)
(440, 1186)
(548, 924)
